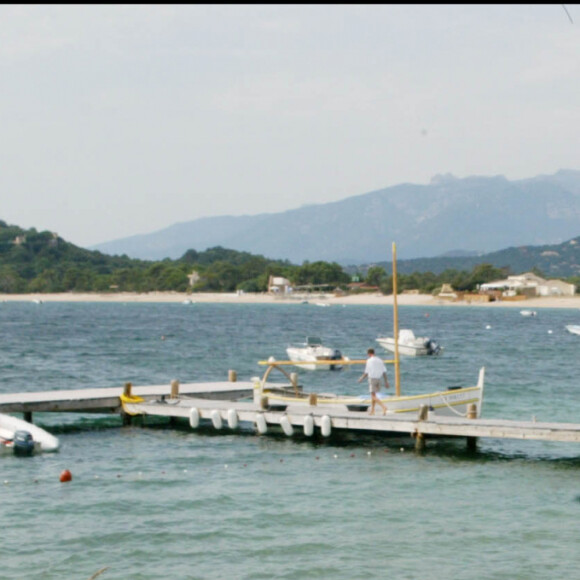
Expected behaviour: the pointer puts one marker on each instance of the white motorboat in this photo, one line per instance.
(573, 328)
(311, 354)
(23, 438)
(411, 345)
(528, 313)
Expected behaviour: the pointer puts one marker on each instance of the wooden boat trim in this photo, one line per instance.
(350, 400)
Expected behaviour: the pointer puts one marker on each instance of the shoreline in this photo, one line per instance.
(319, 299)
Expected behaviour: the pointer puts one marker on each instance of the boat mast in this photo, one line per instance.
(396, 324)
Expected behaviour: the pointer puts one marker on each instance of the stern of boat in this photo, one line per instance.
(480, 383)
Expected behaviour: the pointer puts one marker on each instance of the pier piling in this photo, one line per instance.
(419, 437)
(127, 419)
(472, 414)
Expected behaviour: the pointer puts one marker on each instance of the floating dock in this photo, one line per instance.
(228, 404)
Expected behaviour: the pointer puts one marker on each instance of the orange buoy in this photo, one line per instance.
(66, 475)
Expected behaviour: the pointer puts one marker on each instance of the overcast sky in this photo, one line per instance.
(118, 120)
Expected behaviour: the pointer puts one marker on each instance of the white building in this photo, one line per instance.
(279, 285)
(194, 278)
(531, 285)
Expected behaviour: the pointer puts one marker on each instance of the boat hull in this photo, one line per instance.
(9, 425)
(453, 402)
(450, 402)
(307, 357)
(419, 347)
(405, 349)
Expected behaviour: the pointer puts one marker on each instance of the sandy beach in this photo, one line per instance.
(326, 299)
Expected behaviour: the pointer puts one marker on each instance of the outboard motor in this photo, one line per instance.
(433, 347)
(336, 355)
(23, 444)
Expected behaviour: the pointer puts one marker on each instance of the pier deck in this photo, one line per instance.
(219, 402)
(406, 423)
(106, 399)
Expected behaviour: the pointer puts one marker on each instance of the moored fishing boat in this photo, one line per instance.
(453, 401)
(411, 345)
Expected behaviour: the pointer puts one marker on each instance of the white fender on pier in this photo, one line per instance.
(261, 424)
(216, 419)
(308, 425)
(194, 418)
(232, 419)
(325, 426)
(286, 425)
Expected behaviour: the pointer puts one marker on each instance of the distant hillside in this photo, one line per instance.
(32, 261)
(472, 215)
(554, 261)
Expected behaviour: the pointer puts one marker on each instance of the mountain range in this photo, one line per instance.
(449, 217)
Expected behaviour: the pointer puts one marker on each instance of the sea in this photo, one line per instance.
(155, 500)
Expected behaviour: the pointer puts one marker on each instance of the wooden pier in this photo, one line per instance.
(107, 399)
(227, 415)
(225, 405)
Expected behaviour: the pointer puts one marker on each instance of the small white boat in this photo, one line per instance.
(573, 328)
(23, 438)
(411, 345)
(528, 313)
(309, 354)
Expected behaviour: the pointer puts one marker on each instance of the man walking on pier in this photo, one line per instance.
(375, 370)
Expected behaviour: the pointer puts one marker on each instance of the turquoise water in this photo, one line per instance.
(166, 502)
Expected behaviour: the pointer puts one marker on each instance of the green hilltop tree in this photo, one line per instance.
(376, 276)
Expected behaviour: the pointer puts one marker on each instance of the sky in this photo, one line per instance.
(118, 120)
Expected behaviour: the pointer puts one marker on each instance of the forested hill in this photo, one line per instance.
(32, 261)
(554, 261)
